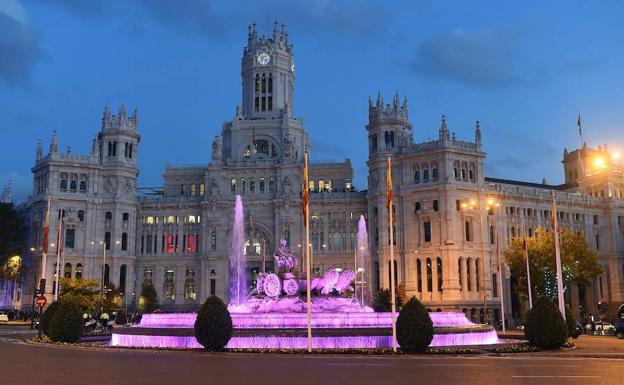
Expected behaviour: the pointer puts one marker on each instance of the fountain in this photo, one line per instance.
(238, 276)
(274, 314)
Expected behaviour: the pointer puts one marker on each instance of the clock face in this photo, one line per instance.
(264, 58)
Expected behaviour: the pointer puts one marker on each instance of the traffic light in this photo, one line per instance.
(42, 285)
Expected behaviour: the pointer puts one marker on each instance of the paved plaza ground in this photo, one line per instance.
(44, 364)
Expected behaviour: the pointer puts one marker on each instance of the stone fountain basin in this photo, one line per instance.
(289, 331)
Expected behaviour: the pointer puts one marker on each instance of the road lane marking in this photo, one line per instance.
(562, 376)
(350, 364)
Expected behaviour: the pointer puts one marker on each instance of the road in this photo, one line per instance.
(36, 364)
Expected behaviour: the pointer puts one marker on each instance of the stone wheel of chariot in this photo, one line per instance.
(272, 285)
(291, 287)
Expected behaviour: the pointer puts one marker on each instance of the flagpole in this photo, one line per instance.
(392, 272)
(500, 283)
(306, 218)
(558, 257)
(44, 253)
(58, 254)
(526, 257)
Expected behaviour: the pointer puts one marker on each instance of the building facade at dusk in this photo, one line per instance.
(449, 215)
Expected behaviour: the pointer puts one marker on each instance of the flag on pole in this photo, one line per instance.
(578, 123)
(526, 257)
(304, 188)
(389, 192)
(560, 299)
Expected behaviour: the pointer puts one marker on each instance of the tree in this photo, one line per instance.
(46, 317)
(83, 292)
(148, 302)
(213, 326)
(579, 262)
(112, 298)
(13, 234)
(414, 327)
(383, 301)
(545, 326)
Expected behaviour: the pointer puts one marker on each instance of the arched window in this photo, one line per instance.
(468, 275)
(63, 185)
(106, 275)
(387, 139)
(81, 215)
(434, 174)
(477, 279)
(79, 271)
(189, 285)
(122, 279)
(83, 186)
(124, 241)
(169, 244)
(109, 215)
(417, 176)
(429, 276)
(107, 240)
(169, 285)
(459, 272)
(149, 244)
(427, 231)
(67, 270)
(426, 175)
(391, 138)
(439, 266)
(373, 142)
(419, 274)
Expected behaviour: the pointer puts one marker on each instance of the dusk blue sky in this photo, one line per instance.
(524, 69)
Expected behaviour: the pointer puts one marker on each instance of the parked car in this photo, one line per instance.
(604, 329)
(4, 317)
(619, 331)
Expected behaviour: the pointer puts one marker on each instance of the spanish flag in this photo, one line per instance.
(578, 123)
(389, 186)
(304, 188)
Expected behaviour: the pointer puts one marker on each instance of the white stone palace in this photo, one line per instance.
(448, 213)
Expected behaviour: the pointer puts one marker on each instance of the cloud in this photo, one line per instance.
(487, 58)
(216, 19)
(20, 45)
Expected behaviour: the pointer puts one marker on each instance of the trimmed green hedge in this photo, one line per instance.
(46, 317)
(414, 327)
(67, 324)
(545, 326)
(213, 327)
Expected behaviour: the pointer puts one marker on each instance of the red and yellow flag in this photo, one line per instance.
(46, 229)
(389, 186)
(304, 188)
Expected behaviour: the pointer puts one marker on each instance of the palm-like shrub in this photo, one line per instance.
(414, 327)
(545, 326)
(67, 324)
(213, 326)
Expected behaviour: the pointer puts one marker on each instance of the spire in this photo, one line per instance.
(39, 150)
(395, 101)
(444, 133)
(478, 133)
(370, 103)
(54, 143)
(122, 113)
(134, 118)
(379, 100)
(106, 116)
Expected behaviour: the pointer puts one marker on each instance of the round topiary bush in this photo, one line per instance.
(46, 317)
(213, 327)
(121, 318)
(67, 324)
(545, 326)
(414, 327)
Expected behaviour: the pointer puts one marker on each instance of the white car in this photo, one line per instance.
(604, 329)
(4, 318)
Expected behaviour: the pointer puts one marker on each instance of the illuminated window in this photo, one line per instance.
(169, 285)
(202, 189)
(233, 185)
(192, 219)
(171, 219)
(321, 185)
(311, 185)
(193, 189)
(190, 248)
(169, 244)
(189, 285)
(150, 220)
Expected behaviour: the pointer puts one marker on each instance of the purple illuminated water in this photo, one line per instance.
(238, 275)
(453, 329)
(362, 255)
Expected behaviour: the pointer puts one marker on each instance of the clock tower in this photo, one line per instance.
(268, 72)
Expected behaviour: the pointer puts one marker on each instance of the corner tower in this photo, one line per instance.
(268, 72)
(389, 129)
